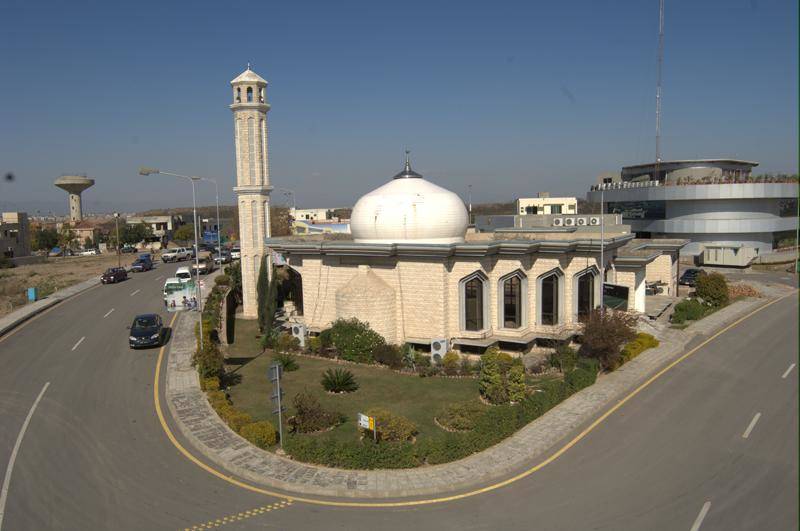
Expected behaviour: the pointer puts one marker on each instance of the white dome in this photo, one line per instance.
(409, 209)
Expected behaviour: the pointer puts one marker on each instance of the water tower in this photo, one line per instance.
(74, 185)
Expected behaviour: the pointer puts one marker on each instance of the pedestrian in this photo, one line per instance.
(185, 302)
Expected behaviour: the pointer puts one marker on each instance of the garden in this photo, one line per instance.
(712, 292)
(426, 411)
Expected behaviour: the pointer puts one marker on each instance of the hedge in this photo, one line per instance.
(642, 342)
(689, 310)
(261, 433)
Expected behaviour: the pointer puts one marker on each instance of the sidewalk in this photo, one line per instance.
(17, 317)
(210, 436)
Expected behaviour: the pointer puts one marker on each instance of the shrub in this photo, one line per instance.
(491, 385)
(460, 416)
(642, 342)
(712, 288)
(389, 355)
(222, 280)
(564, 358)
(351, 454)
(310, 416)
(287, 360)
(339, 381)
(217, 399)
(261, 433)
(5, 262)
(287, 343)
(516, 382)
(421, 362)
(577, 379)
(210, 384)
(208, 360)
(390, 427)
(355, 340)
(688, 310)
(325, 339)
(314, 344)
(604, 333)
(233, 417)
(588, 364)
(450, 363)
(467, 367)
(269, 338)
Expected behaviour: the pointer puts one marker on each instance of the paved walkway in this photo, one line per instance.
(17, 317)
(201, 425)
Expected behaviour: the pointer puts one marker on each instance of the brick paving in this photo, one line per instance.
(201, 425)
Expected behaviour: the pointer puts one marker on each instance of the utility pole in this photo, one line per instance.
(275, 373)
(658, 85)
(116, 224)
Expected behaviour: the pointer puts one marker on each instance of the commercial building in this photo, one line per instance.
(162, 226)
(544, 204)
(15, 234)
(708, 202)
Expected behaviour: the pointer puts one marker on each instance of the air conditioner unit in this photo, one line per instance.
(569, 222)
(299, 331)
(439, 348)
(580, 222)
(558, 222)
(594, 220)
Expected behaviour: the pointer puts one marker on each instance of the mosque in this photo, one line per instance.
(414, 269)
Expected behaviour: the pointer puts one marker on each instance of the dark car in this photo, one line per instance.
(114, 274)
(224, 258)
(127, 249)
(147, 330)
(142, 264)
(689, 277)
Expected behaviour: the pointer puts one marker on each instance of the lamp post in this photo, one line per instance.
(149, 171)
(219, 222)
(116, 225)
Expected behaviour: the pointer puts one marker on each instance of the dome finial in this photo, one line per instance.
(408, 162)
(407, 171)
(248, 65)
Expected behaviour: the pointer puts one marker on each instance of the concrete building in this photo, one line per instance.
(311, 214)
(550, 222)
(15, 234)
(74, 185)
(544, 204)
(709, 202)
(162, 226)
(415, 274)
(253, 188)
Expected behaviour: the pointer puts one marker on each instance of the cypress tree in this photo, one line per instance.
(262, 288)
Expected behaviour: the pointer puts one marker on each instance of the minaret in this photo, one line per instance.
(252, 189)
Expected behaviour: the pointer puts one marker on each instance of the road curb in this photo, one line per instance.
(29, 311)
(208, 434)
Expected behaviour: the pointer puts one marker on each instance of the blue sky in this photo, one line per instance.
(511, 97)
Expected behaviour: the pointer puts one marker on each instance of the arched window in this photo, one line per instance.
(267, 231)
(249, 94)
(238, 94)
(261, 95)
(511, 303)
(586, 293)
(251, 155)
(550, 287)
(254, 221)
(473, 302)
(263, 130)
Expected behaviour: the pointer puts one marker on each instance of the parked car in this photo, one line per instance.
(184, 274)
(142, 264)
(689, 277)
(128, 249)
(90, 252)
(236, 252)
(222, 258)
(205, 263)
(178, 254)
(114, 275)
(147, 330)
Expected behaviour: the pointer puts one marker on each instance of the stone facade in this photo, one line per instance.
(417, 299)
(664, 269)
(252, 180)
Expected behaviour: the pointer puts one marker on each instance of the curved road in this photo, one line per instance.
(713, 444)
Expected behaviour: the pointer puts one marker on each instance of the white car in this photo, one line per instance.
(183, 274)
(90, 252)
(176, 255)
(236, 253)
(171, 285)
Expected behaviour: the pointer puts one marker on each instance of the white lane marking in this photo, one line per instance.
(13, 458)
(700, 517)
(159, 278)
(135, 292)
(788, 371)
(79, 342)
(108, 313)
(752, 425)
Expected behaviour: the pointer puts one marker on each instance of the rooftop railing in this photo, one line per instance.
(686, 181)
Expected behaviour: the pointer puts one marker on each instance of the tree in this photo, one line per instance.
(712, 288)
(88, 243)
(184, 233)
(604, 333)
(279, 221)
(491, 383)
(262, 292)
(516, 382)
(66, 237)
(44, 239)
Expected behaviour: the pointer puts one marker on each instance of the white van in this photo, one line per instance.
(171, 285)
(183, 274)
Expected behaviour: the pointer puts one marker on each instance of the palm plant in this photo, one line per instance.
(339, 381)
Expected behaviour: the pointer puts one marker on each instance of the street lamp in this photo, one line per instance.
(116, 224)
(219, 222)
(149, 171)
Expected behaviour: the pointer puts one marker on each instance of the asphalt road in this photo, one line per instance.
(94, 455)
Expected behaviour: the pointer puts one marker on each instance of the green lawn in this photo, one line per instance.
(411, 396)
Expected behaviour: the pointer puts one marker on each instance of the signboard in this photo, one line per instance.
(181, 296)
(368, 423)
(615, 297)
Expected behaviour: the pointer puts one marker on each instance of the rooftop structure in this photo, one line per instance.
(544, 204)
(15, 237)
(74, 185)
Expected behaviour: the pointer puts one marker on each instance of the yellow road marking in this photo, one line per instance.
(225, 520)
(411, 503)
